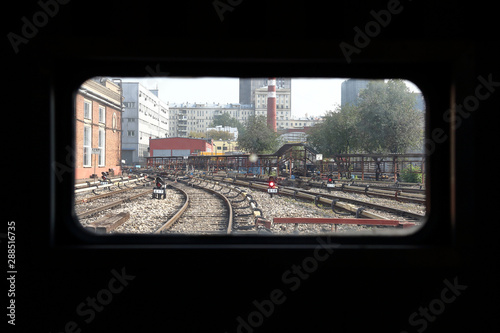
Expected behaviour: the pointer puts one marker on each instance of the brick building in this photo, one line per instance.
(178, 147)
(98, 117)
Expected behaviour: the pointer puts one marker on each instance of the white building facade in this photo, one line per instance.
(232, 130)
(197, 117)
(283, 105)
(144, 116)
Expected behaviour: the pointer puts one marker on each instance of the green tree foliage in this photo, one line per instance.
(220, 135)
(258, 138)
(225, 119)
(411, 174)
(196, 135)
(384, 121)
(388, 119)
(337, 134)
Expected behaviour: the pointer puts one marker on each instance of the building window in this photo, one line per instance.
(102, 114)
(102, 145)
(87, 110)
(114, 122)
(87, 144)
(131, 133)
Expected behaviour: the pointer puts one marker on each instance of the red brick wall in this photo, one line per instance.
(178, 143)
(112, 137)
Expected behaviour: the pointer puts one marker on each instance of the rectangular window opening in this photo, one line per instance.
(349, 159)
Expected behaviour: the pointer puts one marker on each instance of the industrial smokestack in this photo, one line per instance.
(271, 103)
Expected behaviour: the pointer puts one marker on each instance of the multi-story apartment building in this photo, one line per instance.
(98, 114)
(304, 122)
(296, 130)
(228, 129)
(145, 116)
(197, 117)
(283, 105)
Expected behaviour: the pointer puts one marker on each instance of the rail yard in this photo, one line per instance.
(174, 199)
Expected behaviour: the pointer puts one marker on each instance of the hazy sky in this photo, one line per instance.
(309, 96)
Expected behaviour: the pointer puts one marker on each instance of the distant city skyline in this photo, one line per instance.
(310, 96)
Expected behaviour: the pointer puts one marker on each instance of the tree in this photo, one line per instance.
(388, 119)
(258, 138)
(225, 119)
(220, 135)
(337, 134)
(385, 120)
(196, 135)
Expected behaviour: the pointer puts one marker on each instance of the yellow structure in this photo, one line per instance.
(223, 147)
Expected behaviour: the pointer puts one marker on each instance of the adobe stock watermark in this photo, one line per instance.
(483, 90)
(437, 306)
(30, 28)
(156, 72)
(292, 279)
(372, 29)
(60, 169)
(89, 308)
(222, 6)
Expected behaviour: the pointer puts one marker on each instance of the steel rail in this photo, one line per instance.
(177, 215)
(100, 196)
(111, 180)
(97, 186)
(391, 193)
(180, 213)
(111, 205)
(328, 200)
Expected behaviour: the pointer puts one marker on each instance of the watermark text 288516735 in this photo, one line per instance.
(30, 28)
(11, 272)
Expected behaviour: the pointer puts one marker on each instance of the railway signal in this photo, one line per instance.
(330, 183)
(272, 189)
(104, 180)
(159, 189)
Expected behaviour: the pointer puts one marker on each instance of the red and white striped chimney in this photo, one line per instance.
(271, 103)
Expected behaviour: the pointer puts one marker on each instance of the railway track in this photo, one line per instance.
(217, 205)
(118, 182)
(317, 198)
(103, 202)
(187, 209)
(401, 194)
(203, 211)
(331, 200)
